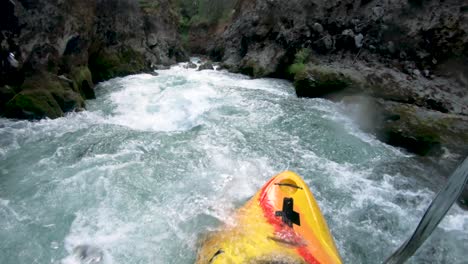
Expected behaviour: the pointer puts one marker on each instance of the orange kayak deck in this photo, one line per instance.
(281, 223)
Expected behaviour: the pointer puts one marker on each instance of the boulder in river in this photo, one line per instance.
(417, 129)
(87, 254)
(320, 80)
(206, 66)
(190, 65)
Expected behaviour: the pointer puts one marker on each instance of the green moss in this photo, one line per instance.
(102, 66)
(296, 68)
(302, 56)
(83, 81)
(317, 81)
(252, 68)
(105, 65)
(33, 104)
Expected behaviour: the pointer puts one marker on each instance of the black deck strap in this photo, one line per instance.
(288, 215)
(289, 185)
(220, 251)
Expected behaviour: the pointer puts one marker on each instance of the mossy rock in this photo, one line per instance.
(105, 64)
(421, 144)
(83, 81)
(44, 95)
(407, 129)
(206, 66)
(319, 81)
(252, 68)
(423, 131)
(33, 104)
(6, 94)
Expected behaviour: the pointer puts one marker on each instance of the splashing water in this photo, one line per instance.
(157, 161)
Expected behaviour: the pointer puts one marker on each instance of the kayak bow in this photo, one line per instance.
(282, 223)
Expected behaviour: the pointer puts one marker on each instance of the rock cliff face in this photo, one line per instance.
(403, 54)
(53, 51)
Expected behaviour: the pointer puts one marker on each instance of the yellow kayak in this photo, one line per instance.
(282, 223)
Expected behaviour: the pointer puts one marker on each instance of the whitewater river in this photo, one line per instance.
(158, 161)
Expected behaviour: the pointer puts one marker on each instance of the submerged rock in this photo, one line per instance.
(162, 67)
(206, 66)
(87, 254)
(190, 65)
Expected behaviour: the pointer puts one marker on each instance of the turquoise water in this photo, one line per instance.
(158, 161)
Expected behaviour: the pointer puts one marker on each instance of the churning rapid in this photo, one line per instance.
(158, 161)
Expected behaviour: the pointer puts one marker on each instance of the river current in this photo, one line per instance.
(156, 162)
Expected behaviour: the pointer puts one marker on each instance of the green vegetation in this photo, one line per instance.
(300, 60)
(302, 56)
(33, 104)
(296, 68)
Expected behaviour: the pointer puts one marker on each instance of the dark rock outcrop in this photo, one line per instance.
(63, 47)
(411, 57)
(200, 20)
(206, 66)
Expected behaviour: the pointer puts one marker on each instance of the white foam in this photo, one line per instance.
(145, 104)
(455, 220)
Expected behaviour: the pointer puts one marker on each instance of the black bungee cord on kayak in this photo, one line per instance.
(433, 215)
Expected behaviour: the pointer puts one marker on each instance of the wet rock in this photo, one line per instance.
(358, 40)
(377, 12)
(424, 131)
(348, 32)
(413, 128)
(190, 65)
(320, 81)
(391, 47)
(262, 61)
(162, 67)
(88, 254)
(318, 27)
(346, 40)
(82, 43)
(44, 95)
(6, 94)
(83, 82)
(34, 104)
(324, 44)
(416, 73)
(12, 60)
(153, 73)
(427, 73)
(206, 66)
(64, 78)
(463, 199)
(107, 64)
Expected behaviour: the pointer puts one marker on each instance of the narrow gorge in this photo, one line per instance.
(136, 127)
